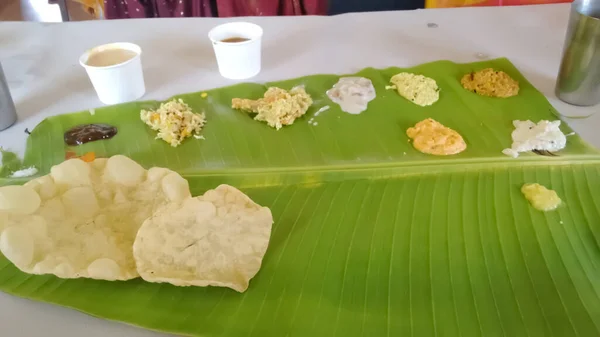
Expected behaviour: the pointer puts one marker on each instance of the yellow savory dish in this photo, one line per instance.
(490, 82)
(431, 137)
(278, 107)
(418, 89)
(174, 121)
(540, 197)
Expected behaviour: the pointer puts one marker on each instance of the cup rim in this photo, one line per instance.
(114, 45)
(214, 29)
(577, 6)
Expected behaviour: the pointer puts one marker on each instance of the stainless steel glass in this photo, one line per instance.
(579, 76)
(8, 113)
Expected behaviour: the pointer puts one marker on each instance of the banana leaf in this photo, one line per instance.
(235, 142)
(371, 237)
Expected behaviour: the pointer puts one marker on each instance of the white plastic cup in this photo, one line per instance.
(237, 60)
(119, 83)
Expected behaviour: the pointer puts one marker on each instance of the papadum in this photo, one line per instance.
(82, 218)
(217, 239)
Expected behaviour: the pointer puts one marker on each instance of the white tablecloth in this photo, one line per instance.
(41, 64)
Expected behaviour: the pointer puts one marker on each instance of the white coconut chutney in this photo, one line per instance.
(27, 172)
(352, 94)
(529, 136)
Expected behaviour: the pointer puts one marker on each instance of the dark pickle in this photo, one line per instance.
(85, 133)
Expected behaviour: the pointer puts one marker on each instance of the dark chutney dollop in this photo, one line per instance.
(85, 133)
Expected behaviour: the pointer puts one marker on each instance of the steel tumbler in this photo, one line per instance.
(578, 80)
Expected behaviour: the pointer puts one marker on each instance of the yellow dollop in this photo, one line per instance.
(540, 197)
(490, 82)
(431, 137)
(418, 89)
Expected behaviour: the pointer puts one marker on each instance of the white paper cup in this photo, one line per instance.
(237, 60)
(119, 83)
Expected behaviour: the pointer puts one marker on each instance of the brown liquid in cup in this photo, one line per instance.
(235, 39)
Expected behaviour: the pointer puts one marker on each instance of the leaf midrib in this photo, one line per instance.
(416, 167)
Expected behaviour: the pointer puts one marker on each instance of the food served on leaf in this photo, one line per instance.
(218, 239)
(490, 82)
(12, 167)
(85, 133)
(418, 89)
(25, 172)
(82, 218)
(87, 157)
(431, 137)
(278, 107)
(540, 197)
(545, 136)
(174, 121)
(352, 94)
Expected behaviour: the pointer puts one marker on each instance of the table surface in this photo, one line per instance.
(41, 65)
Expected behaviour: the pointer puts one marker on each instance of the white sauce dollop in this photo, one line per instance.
(353, 94)
(325, 108)
(529, 136)
(28, 172)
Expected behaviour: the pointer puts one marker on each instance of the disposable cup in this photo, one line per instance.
(117, 83)
(237, 60)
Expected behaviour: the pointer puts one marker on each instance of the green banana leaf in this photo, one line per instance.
(371, 237)
(235, 142)
(10, 163)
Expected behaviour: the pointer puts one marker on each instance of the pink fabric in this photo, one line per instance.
(123, 9)
(227, 8)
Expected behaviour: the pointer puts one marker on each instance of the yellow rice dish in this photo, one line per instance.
(278, 107)
(490, 82)
(174, 121)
